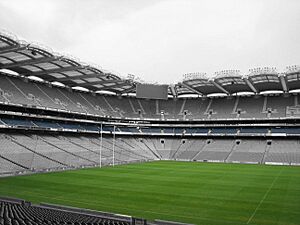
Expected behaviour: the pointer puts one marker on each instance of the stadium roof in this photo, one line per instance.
(33, 60)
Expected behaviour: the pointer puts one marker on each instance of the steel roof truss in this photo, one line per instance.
(30, 62)
(174, 91)
(100, 76)
(12, 48)
(191, 88)
(283, 83)
(59, 70)
(251, 86)
(219, 87)
(117, 83)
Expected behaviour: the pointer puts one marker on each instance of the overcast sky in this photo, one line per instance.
(159, 40)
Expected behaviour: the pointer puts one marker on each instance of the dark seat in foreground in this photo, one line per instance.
(20, 213)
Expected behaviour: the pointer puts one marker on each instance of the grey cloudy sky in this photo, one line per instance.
(162, 39)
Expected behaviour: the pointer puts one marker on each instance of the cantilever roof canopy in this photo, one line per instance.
(292, 78)
(265, 79)
(233, 84)
(201, 86)
(262, 79)
(33, 60)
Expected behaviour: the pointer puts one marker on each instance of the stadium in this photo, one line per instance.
(163, 144)
(203, 151)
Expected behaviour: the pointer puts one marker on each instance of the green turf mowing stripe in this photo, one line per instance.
(199, 193)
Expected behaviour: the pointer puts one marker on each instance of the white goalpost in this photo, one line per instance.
(100, 153)
(114, 140)
(101, 146)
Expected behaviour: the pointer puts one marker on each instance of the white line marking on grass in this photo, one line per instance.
(264, 197)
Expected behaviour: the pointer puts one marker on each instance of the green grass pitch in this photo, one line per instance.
(199, 193)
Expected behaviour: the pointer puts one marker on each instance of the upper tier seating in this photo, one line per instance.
(250, 107)
(222, 108)
(16, 91)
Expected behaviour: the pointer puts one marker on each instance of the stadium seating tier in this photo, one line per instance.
(14, 90)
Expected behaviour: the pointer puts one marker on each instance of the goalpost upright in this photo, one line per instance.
(114, 139)
(100, 154)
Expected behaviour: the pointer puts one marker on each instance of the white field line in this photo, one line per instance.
(264, 197)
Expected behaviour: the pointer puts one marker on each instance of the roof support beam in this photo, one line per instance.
(58, 70)
(173, 90)
(116, 91)
(70, 82)
(219, 87)
(116, 86)
(27, 62)
(283, 83)
(93, 75)
(5, 57)
(248, 82)
(12, 49)
(117, 83)
(190, 88)
(128, 90)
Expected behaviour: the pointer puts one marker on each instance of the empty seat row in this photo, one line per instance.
(26, 214)
(16, 91)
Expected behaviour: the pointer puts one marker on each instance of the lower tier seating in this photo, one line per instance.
(21, 152)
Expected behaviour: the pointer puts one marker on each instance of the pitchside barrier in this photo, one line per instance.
(12, 200)
(112, 216)
(87, 212)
